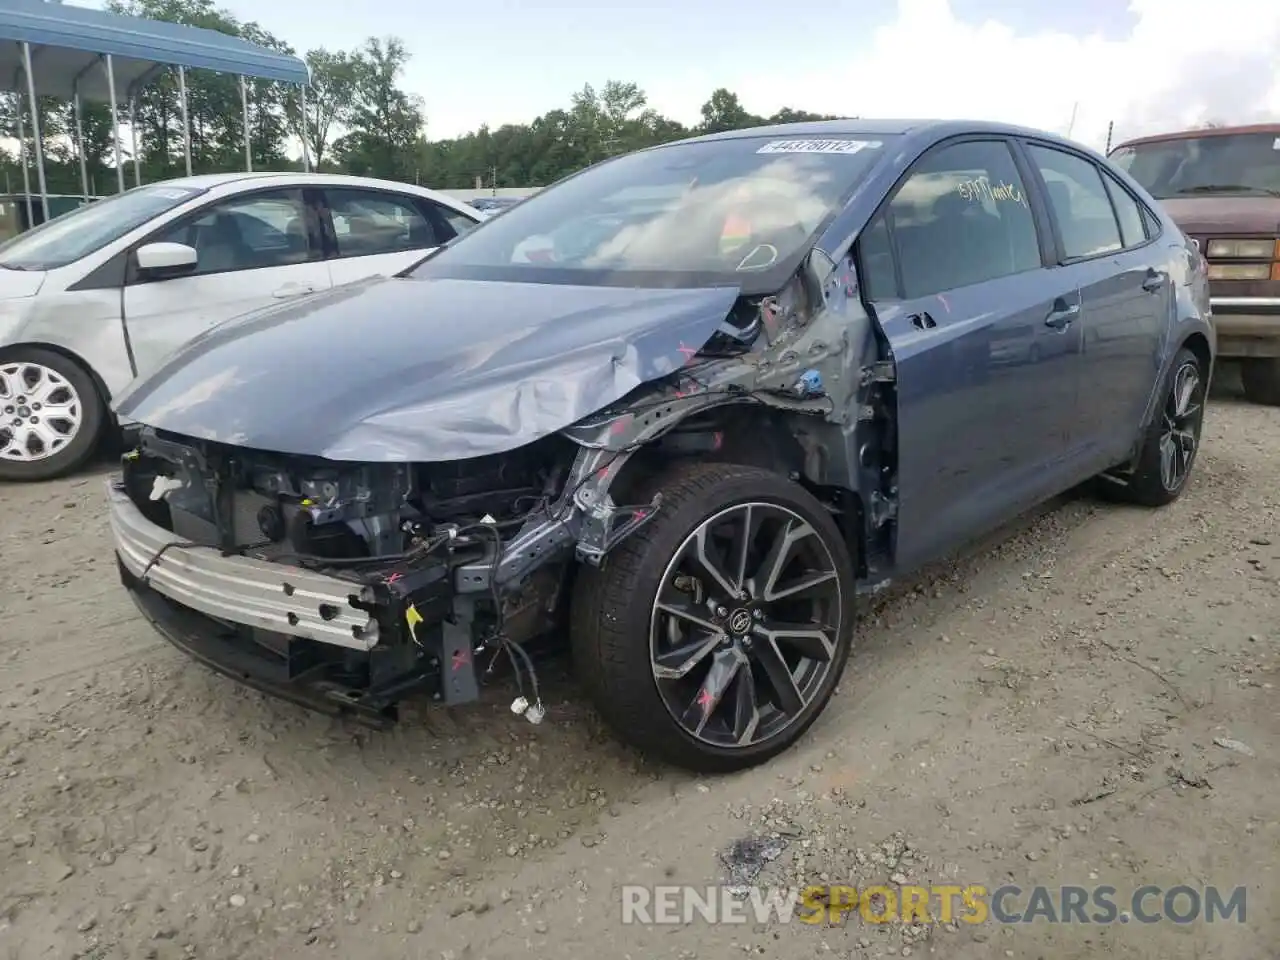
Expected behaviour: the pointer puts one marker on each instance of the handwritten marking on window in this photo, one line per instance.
(981, 188)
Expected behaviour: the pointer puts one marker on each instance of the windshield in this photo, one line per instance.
(739, 211)
(1236, 163)
(81, 231)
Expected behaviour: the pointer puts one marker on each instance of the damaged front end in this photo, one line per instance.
(341, 586)
(346, 586)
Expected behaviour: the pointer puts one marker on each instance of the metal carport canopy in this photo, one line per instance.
(67, 43)
(54, 49)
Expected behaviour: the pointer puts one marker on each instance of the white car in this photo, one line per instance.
(102, 294)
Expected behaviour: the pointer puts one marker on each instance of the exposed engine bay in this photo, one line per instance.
(400, 531)
(321, 512)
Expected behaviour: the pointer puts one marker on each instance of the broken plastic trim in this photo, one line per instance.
(584, 521)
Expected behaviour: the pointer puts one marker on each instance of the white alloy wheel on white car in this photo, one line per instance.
(51, 414)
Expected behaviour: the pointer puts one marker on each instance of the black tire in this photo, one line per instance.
(612, 607)
(1149, 485)
(1261, 379)
(80, 444)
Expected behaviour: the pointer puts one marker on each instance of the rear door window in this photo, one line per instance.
(1079, 201)
(370, 222)
(458, 222)
(1133, 230)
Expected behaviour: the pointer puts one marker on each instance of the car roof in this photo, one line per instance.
(1199, 132)
(813, 128)
(858, 126)
(249, 179)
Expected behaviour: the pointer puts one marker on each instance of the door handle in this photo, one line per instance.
(922, 321)
(1060, 318)
(1154, 281)
(292, 290)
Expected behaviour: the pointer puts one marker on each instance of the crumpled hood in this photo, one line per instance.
(393, 369)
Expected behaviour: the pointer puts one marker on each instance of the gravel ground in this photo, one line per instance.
(1042, 710)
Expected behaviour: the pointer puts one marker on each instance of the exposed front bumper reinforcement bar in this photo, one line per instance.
(288, 676)
(293, 633)
(256, 593)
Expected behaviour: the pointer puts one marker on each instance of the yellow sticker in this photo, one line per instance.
(412, 618)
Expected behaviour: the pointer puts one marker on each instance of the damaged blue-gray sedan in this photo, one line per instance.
(681, 409)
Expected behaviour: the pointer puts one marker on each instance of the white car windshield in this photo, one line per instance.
(735, 210)
(81, 231)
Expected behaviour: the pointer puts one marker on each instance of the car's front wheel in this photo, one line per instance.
(715, 635)
(51, 415)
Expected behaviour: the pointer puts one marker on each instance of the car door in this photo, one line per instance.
(983, 338)
(252, 249)
(374, 232)
(1126, 295)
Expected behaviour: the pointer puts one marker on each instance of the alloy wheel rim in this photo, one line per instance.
(1180, 433)
(40, 412)
(745, 625)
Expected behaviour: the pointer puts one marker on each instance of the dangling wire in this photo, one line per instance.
(528, 662)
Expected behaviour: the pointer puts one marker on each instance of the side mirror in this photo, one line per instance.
(166, 259)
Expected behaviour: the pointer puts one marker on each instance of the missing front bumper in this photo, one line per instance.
(257, 593)
(296, 671)
(337, 645)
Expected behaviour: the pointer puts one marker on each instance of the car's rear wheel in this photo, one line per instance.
(51, 414)
(715, 635)
(1261, 379)
(1171, 442)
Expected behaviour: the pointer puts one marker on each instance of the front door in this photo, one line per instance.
(252, 250)
(985, 340)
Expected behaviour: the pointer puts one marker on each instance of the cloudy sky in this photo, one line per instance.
(1144, 64)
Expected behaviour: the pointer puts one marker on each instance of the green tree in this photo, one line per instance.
(99, 148)
(330, 97)
(787, 115)
(596, 124)
(723, 111)
(385, 122)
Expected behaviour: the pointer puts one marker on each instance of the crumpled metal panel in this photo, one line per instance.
(391, 370)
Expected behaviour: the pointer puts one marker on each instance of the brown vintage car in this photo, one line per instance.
(1222, 187)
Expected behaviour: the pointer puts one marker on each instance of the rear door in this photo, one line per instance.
(253, 249)
(984, 339)
(1126, 291)
(374, 232)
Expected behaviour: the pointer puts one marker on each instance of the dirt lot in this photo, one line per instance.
(1043, 710)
